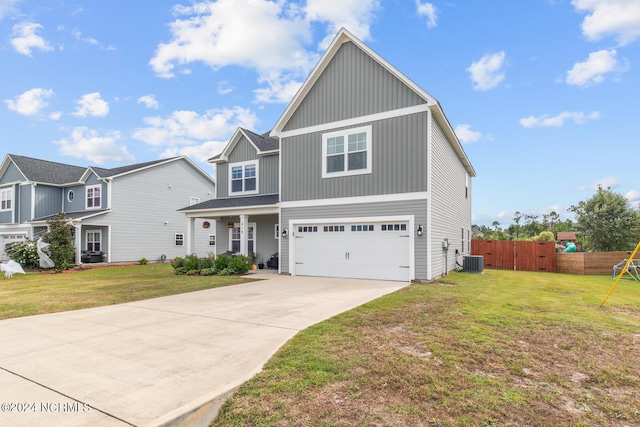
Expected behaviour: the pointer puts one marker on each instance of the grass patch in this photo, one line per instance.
(39, 293)
(502, 348)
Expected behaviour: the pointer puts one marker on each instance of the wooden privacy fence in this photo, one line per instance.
(590, 262)
(516, 255)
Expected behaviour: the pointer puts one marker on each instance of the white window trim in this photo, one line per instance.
(194, 200)
(86, 241)
(71, 196)
(211, 240)
(175, 240)
(86, 196)
(277, 231)
(243, 164)
(7, 190)
(346, 133)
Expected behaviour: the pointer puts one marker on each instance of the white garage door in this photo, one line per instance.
(9, 238)
(364, 250)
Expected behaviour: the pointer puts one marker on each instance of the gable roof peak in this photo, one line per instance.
(343, 36)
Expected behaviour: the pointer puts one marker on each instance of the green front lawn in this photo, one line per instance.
(38, 293)
(499, 349)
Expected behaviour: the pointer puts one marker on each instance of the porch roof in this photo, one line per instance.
(227, 203)
(75, 215)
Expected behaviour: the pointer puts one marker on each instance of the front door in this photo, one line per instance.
(234, 239)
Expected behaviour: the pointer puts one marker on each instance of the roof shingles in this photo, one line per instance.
(47, 172)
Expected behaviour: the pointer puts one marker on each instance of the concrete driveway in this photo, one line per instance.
(164, 361)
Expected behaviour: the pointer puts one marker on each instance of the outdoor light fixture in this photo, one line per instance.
(419, 231)
(285, 233)
(230, 224)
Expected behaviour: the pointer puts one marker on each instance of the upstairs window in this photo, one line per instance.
(94, 197)
(6, 197)
(346, 152)
(244, 178)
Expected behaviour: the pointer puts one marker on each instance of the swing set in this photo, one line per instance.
(631, 267)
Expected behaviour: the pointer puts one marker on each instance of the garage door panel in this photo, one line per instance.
(359, 250)
(6, 239)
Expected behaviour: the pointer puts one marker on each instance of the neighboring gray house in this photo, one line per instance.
(362, 176)
(120, 214)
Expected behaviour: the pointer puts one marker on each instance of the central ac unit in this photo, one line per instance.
(473, 264)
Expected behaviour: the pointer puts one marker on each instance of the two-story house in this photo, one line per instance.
(362, 176)
(118, 215)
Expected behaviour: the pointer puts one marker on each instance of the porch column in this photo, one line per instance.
(244, 234)
(78, 243)
(189, 240)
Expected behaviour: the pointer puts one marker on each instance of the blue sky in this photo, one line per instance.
(543, 94)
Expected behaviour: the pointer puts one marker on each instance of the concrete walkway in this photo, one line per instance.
(165, 361)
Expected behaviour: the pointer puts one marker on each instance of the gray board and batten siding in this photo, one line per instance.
(242, 152)
(21, 197)
(12, 174)
(399, 163)
(352, 85)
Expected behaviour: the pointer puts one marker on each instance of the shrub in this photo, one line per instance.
(59, 238)
(240, 264)
(142, 261)
(223, 265)
(24, 253)
(221, 262)
(545, 236)
(207, 272)
(205, 263)
(191, 262)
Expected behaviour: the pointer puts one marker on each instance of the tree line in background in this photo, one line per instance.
(605, 222)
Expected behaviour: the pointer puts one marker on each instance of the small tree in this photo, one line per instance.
(59, 238)
(545, 236)
(607, 222)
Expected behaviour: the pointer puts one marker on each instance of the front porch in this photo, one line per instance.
(243, 225)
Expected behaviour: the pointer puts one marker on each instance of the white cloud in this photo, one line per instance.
(633, 196)
(24, 38)
(89, 144)
(149, 101)
(200, 153)
(466, 135)
(429, 11)
(78, 35)
(271, 37)
(280, 89)
(7, 7)
(593, 70)
(188, 128)
(257, 34)
(92, 105)
(606, 182)
(617, 18)
(224, 87)
(557, 121)
(30, 102)
(487, 72)
(354, 15)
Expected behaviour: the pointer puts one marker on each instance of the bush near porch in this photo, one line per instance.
(222, 265)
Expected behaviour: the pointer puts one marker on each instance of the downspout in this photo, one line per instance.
(109, 189)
